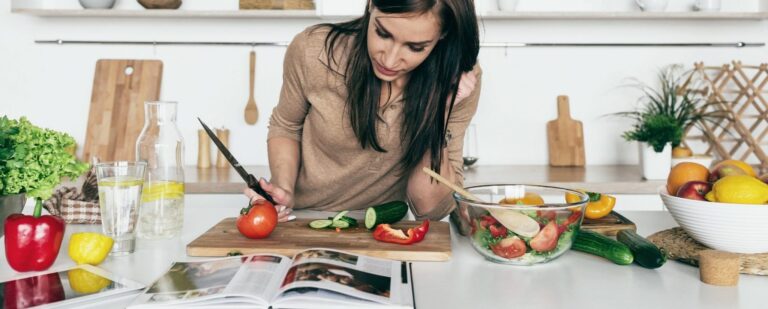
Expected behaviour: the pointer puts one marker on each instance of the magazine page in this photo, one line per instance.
(363, 278)
(253, 278)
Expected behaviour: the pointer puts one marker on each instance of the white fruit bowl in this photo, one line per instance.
(739, 228)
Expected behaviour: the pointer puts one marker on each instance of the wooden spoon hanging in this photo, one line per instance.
(251, 111)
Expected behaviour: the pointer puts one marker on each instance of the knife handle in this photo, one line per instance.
(253, 183)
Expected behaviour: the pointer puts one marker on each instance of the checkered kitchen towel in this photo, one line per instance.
(80, 212)
(68, 203)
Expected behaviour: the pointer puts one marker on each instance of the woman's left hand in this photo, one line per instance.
(466, 85)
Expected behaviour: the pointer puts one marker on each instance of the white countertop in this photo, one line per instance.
(574, 280)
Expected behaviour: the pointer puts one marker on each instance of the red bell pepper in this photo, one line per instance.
(32, 243)
(33, 291)
(386, 233)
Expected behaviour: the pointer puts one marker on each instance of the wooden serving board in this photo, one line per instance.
(116, 115)
(608, 225)
(565, 137)
(291, 237)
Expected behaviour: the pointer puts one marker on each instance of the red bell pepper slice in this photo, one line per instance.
(33, 291)
(32, 243)
(386, 233)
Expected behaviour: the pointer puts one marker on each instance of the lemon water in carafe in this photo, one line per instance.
(161, 145)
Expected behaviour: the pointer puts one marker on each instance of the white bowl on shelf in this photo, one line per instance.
(97, 4)
(739, 228)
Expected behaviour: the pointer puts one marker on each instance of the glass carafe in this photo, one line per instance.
(160, 144)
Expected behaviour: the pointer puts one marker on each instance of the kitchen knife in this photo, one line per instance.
(251, 181)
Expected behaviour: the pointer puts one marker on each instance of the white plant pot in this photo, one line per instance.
(655, 165)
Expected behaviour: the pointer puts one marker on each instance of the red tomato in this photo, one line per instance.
(546, 240)
(510, 248)
(259, 221)
(498, 231)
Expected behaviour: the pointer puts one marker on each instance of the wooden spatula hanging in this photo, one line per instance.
(251, 111)
(565, 137)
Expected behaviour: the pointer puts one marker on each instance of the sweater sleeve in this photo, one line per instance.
(288, 116)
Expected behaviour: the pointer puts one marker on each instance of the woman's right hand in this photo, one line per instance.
(284, 199)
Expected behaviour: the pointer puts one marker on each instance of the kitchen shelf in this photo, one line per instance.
(267, 14)
(502, 15)
(311, 14)
(616, 179)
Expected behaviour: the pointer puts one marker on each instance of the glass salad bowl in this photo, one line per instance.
(521, 224)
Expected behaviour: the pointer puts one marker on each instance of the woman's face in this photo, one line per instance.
(398, 43)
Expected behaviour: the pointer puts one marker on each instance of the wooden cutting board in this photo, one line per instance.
(116, 116)
(565, 137)
(291, 237)
(609, 225)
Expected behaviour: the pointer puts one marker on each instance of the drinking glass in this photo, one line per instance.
(120, 185)
(470, 146)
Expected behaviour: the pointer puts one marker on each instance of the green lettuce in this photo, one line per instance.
(34, 160)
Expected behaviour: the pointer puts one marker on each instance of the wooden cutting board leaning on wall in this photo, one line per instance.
(565, 137)
(116, 116)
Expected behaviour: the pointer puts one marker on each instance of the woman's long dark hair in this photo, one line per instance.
(429, 85)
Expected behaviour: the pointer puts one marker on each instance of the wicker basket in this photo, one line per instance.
(277, 4)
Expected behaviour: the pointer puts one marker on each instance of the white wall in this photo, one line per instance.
(52, 84)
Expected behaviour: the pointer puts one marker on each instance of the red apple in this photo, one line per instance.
(694, 190)
(721, 171)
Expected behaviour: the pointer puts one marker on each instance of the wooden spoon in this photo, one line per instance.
(251, 111)
(449, 184)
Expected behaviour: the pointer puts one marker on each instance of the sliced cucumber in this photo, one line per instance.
(352, 221)
(339, 215)
(321, 224)
(340, 224)
(386, 213)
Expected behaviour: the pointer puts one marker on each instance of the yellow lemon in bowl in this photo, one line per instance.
(739, 189)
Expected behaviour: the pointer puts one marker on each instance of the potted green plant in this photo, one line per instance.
(33, 162)
(662, 117)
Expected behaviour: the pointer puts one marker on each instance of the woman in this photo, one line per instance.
(367, 103)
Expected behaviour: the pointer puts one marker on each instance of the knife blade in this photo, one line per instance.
(250, 180)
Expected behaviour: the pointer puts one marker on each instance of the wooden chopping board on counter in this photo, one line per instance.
(565, 137)
(289, 238)
(116, 116)
(608, 225)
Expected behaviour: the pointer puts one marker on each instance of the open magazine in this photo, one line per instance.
(316, 278)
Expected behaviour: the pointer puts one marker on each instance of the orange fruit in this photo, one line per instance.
(530, 198)
(685, 172)
(738, 163)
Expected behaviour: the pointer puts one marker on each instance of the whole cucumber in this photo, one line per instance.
(602, 246)
(646, 253)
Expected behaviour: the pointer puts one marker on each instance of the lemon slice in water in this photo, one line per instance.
(156, 190)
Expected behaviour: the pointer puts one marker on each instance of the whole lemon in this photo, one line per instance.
(89, 248)
(740, 189)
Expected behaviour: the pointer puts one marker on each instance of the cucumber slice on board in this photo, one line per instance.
(321, 224)
(340, 224)
(340, 215)
(386, 213)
